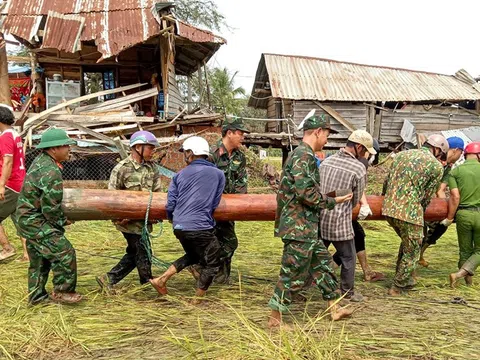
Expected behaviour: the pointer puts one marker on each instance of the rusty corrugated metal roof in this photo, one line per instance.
(25, 27)
(68, 39)
(197, 35)
(115, 25)
(305, 78)
(42, 7)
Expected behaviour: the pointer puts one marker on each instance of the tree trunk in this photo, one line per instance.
(92, 204)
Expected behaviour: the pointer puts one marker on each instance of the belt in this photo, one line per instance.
(471, 208)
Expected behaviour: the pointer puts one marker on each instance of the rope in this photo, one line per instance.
(146, 239)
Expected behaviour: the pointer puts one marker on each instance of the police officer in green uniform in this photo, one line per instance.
(229, 158)
(464, 205)
(41, 221)
(299, 201)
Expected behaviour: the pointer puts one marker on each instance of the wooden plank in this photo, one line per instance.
(336, 116)
(30, 122)
(101, 130)
(370, 119)
(91, 132)
(377, 126)
(98, 119)
(121, 147)
(109, 104)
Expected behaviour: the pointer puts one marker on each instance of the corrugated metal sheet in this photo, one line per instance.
(42, 7)
(115, 25)
(304, 78)
(68, 39)
(197, 35)
(468, 135)
(25, 27)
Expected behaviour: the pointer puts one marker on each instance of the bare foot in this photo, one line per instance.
(340, 313)
(453, 280)
(469, 280)
(394, 291)
(275, 319)
(423, 262)
(159, 285)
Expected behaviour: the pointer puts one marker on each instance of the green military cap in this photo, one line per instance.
(235, 123)
(55, 137)
(318, 121)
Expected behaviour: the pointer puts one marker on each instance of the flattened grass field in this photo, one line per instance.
(134, 323)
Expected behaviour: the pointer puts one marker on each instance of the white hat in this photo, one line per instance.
(197, 144)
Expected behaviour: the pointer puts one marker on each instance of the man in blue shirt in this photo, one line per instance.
(193, 196)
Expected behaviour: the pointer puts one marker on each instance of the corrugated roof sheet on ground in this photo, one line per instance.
(303, 78)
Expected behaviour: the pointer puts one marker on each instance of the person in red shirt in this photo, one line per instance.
(12, 173)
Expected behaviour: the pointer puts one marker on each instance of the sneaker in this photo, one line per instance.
(4, 255)
(66, 298)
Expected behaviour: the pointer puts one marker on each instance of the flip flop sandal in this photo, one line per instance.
(376, 276)
(8, 255)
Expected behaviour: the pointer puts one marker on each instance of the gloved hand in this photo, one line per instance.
(365, 211)
(446, 222)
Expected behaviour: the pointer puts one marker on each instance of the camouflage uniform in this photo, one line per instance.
(133, 176)
(41, 221)
(412, 182)
(296, 222)
(235, 169)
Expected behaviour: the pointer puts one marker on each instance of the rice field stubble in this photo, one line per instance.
(134, 323)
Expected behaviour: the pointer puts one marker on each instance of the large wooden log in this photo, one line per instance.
(92, 204)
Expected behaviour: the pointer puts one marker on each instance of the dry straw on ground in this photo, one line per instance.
(135, 324)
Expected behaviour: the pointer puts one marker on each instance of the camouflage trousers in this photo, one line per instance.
(225, 233)
(409, 253)
(54, 253)
(302, 261)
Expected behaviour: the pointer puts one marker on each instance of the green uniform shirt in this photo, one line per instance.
(412, 182)
(299, 199)
(234, 168)
(466, 178)
(39, 208)
(130, 175)
(446, 173)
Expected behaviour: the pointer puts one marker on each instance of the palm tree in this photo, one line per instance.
(224, 95)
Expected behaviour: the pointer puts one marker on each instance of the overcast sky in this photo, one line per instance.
(441, 36)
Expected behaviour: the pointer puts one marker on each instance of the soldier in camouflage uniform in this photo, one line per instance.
(229, 158)
(41, 221)
(296, 222)
(411, 184)
(433, 230)
(135, 173)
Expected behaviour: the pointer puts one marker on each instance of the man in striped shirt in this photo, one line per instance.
(343, 172)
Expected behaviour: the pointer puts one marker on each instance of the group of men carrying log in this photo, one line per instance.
(314, 209)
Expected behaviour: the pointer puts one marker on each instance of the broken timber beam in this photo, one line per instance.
(331, 111)
(94, 204)
(31, 122)
(92, 119)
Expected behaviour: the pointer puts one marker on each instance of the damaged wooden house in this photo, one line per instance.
(106, 68)
(355, 96)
